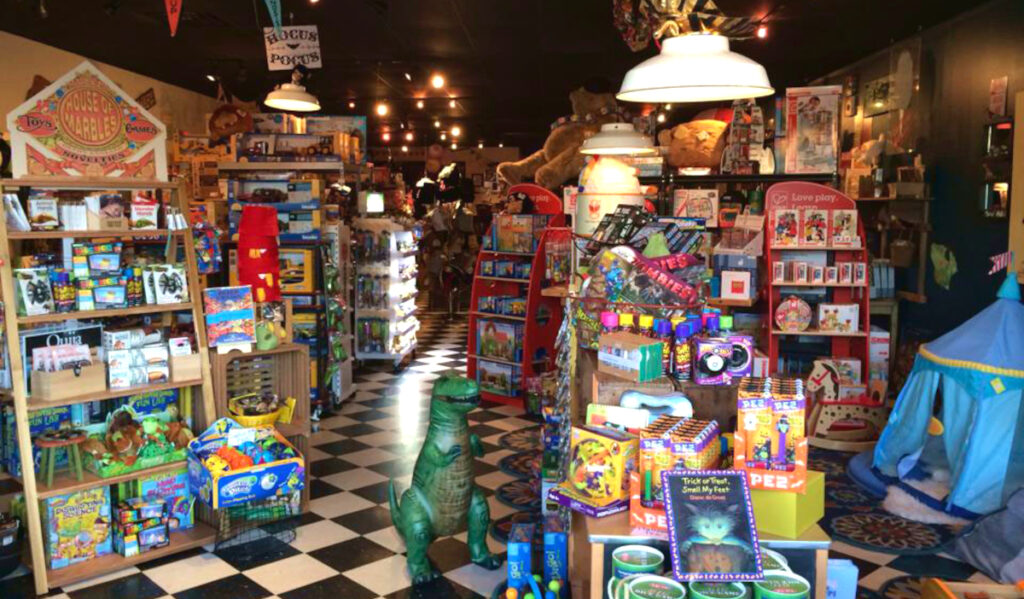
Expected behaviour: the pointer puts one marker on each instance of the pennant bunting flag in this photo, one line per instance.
(274, 8)
(1000, 262)
(173, 14)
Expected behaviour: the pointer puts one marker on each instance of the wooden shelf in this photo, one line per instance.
(791, 284)
(732, 303)
(892, 199)
(820, 248)
(506, 253)
(505, 279)
(93, 234)
(817, 333)
(198, 536)
(282, 166)
(87, 183)
(65, 482)
(498, 316)
(500, 361)
(556, 291)
(88, 314)
(40, 404)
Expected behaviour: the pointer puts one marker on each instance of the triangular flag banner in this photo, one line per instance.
(1000, 262)
(173, 14)
(274, 8)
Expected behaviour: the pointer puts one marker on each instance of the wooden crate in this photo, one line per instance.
(283, 370)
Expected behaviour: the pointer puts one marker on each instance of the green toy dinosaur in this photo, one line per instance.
(443, 495)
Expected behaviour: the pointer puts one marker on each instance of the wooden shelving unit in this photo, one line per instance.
(63, 483)
(799, 196)
(39, 404)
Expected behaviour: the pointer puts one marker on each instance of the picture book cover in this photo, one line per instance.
(844, 228)
(814, 227)
(230, 315)
(786, 228)
(712, 534)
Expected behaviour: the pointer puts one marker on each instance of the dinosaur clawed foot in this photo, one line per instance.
(425, 576)
(489, 561)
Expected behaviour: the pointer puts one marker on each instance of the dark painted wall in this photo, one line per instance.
(958, 59)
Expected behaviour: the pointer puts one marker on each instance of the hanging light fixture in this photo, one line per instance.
(698, 67)
(293, 96)
(618, 139)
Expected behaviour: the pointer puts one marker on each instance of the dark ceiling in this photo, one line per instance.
(510, 64)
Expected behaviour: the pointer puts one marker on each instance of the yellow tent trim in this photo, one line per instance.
(970, 365)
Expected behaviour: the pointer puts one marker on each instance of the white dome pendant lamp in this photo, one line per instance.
(698, 67)
(292, 96)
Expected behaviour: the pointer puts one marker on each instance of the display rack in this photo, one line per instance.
(539, 322)
(201, 534)
(338, 253)
(385, 290)
(800, 196)
(283, 371)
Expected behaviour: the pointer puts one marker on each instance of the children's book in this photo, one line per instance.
(230, 315)
(786, 228)
(844, 228)
(814, 227)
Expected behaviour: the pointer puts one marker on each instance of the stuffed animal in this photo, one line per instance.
(560, 159)
(695, 144)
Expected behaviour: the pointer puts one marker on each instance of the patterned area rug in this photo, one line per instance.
(525, 464)
(519, 494)
(527, 439)
(886, 533)
(903, 587)
(500, 528)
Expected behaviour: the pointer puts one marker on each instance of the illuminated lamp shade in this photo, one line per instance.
(372, 202)
(618, 139)
(605, 184)
(695, 68)
(292, 96)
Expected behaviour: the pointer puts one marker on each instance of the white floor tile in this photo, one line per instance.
(336, 422)
(382, 577)
(315, 454)
(876, 579)
(190, 572)
(440, 352)
(338, 504)
(385, 438)
(477, 579)
(494, 480)
(874, 557)
(494, 457)
(351, 407)
(290, 573)
(498, 509)
(71, 588)
(508, 410)
(323, 437)
(389, 538)
(511, 424)
(353, 479)
(368, 457)
(313, 536)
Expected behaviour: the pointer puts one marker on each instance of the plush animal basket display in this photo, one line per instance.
(264, 409)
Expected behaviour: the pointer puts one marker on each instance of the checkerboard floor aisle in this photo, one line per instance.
(346, 548)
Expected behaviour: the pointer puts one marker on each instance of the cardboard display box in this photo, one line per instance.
(629, 356)
(786, 513)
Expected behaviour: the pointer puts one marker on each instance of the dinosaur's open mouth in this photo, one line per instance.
(470, 400)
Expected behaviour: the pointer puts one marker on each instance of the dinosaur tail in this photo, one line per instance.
(396, 516)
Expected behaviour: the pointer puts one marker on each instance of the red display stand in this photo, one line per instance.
(543, 314)
(801, 196)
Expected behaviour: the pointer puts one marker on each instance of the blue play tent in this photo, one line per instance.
(972, 380)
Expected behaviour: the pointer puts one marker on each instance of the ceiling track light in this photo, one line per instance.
(437, 81)
(382, 109)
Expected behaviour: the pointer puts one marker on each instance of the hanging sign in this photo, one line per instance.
(274, 8)
(290, 47)
(173, 14)
(83, 124)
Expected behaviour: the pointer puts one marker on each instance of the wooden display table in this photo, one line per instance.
(807, 554)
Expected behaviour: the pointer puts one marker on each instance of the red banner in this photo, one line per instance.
(173, 14)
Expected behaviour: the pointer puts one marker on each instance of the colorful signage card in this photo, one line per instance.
(711, 526)
(83, 125)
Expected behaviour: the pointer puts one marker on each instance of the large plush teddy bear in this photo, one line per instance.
(696, 144)
(560, 159)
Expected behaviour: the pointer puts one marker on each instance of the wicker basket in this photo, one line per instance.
(250, 421)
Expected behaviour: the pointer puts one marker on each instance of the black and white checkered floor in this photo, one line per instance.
(346, 548)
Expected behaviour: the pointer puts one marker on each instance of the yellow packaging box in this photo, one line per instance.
(788, 514)
(601, 460)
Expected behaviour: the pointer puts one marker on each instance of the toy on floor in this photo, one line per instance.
(443, 497)
(843, 417)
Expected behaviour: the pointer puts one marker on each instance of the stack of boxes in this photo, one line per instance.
(140, 525)
(135, 358)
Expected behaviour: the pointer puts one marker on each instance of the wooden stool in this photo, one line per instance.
(50, 446)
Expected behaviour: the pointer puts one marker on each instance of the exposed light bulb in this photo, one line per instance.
(405, 149)
(668, 107)
(661, 117)
(386, 137)
(408, 136)
(351, 104)
(382, 109)
(211, 78)
(444, 136)
(501, 144)
(314, 1)
(762, 31)
(455, 146)
(437, 124)
(456, 130)
(437, 81)
(451, 103)
(419, 104)
(480, 145)
(408, 77)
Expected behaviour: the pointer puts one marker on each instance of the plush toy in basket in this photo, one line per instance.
(260, 409)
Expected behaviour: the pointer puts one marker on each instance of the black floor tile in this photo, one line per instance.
(256, 553)
(481, 468)
(238, 586)
(22, 587)
(448, 554)
(329, 466)
(380, 402)
(483, 430)
(366, 521)
(484, 416)
(318, 489)
(351, 554)
(136, 586)
(335, 587)
(369, 415)
(356, 430)
(441, 588)
(396, 468)
(309, 518)
(163, 561)
(490, 447)
(340, 448)
(377, 493)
